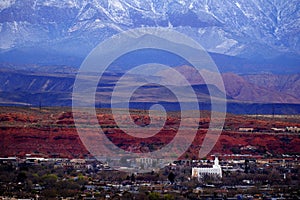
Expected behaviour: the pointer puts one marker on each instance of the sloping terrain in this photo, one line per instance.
(288, 84)
(245, 94)
(51, 132)
(260, 88)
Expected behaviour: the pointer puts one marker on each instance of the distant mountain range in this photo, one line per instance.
(254, 43)
(260, 88)
(243, 36)
(246, 94)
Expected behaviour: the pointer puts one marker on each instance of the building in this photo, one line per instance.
(246, 129)
(277, 130)
(146, 161)
(293, 129)
(215, 170)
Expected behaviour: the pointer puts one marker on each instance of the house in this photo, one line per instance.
(293, 129)
(277, 130)
(9, 160)
(246, 129)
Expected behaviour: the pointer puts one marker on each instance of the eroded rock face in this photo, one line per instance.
(51, 132)
(50, 141)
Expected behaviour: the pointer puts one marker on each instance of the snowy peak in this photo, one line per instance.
(245, 28)
(6, 4)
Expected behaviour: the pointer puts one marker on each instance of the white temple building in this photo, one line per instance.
(216, 170)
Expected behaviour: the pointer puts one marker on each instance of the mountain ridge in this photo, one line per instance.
(252, 29)
(55, 89)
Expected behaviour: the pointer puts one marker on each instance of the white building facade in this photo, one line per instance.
(199, 172)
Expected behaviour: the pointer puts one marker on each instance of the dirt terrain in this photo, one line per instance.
(50, 132)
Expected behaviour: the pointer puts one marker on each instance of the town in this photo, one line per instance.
(234, 176)
(42, 157)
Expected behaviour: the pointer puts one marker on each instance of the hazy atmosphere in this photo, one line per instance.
(132, 99)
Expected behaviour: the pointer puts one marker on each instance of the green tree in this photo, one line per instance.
(171, 177)
(153, 196)
(168, 197)
(49, 180)
(21, 176)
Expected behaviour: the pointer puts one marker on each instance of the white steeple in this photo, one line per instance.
(216, 162)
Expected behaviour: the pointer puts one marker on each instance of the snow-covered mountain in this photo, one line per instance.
(251, 29)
